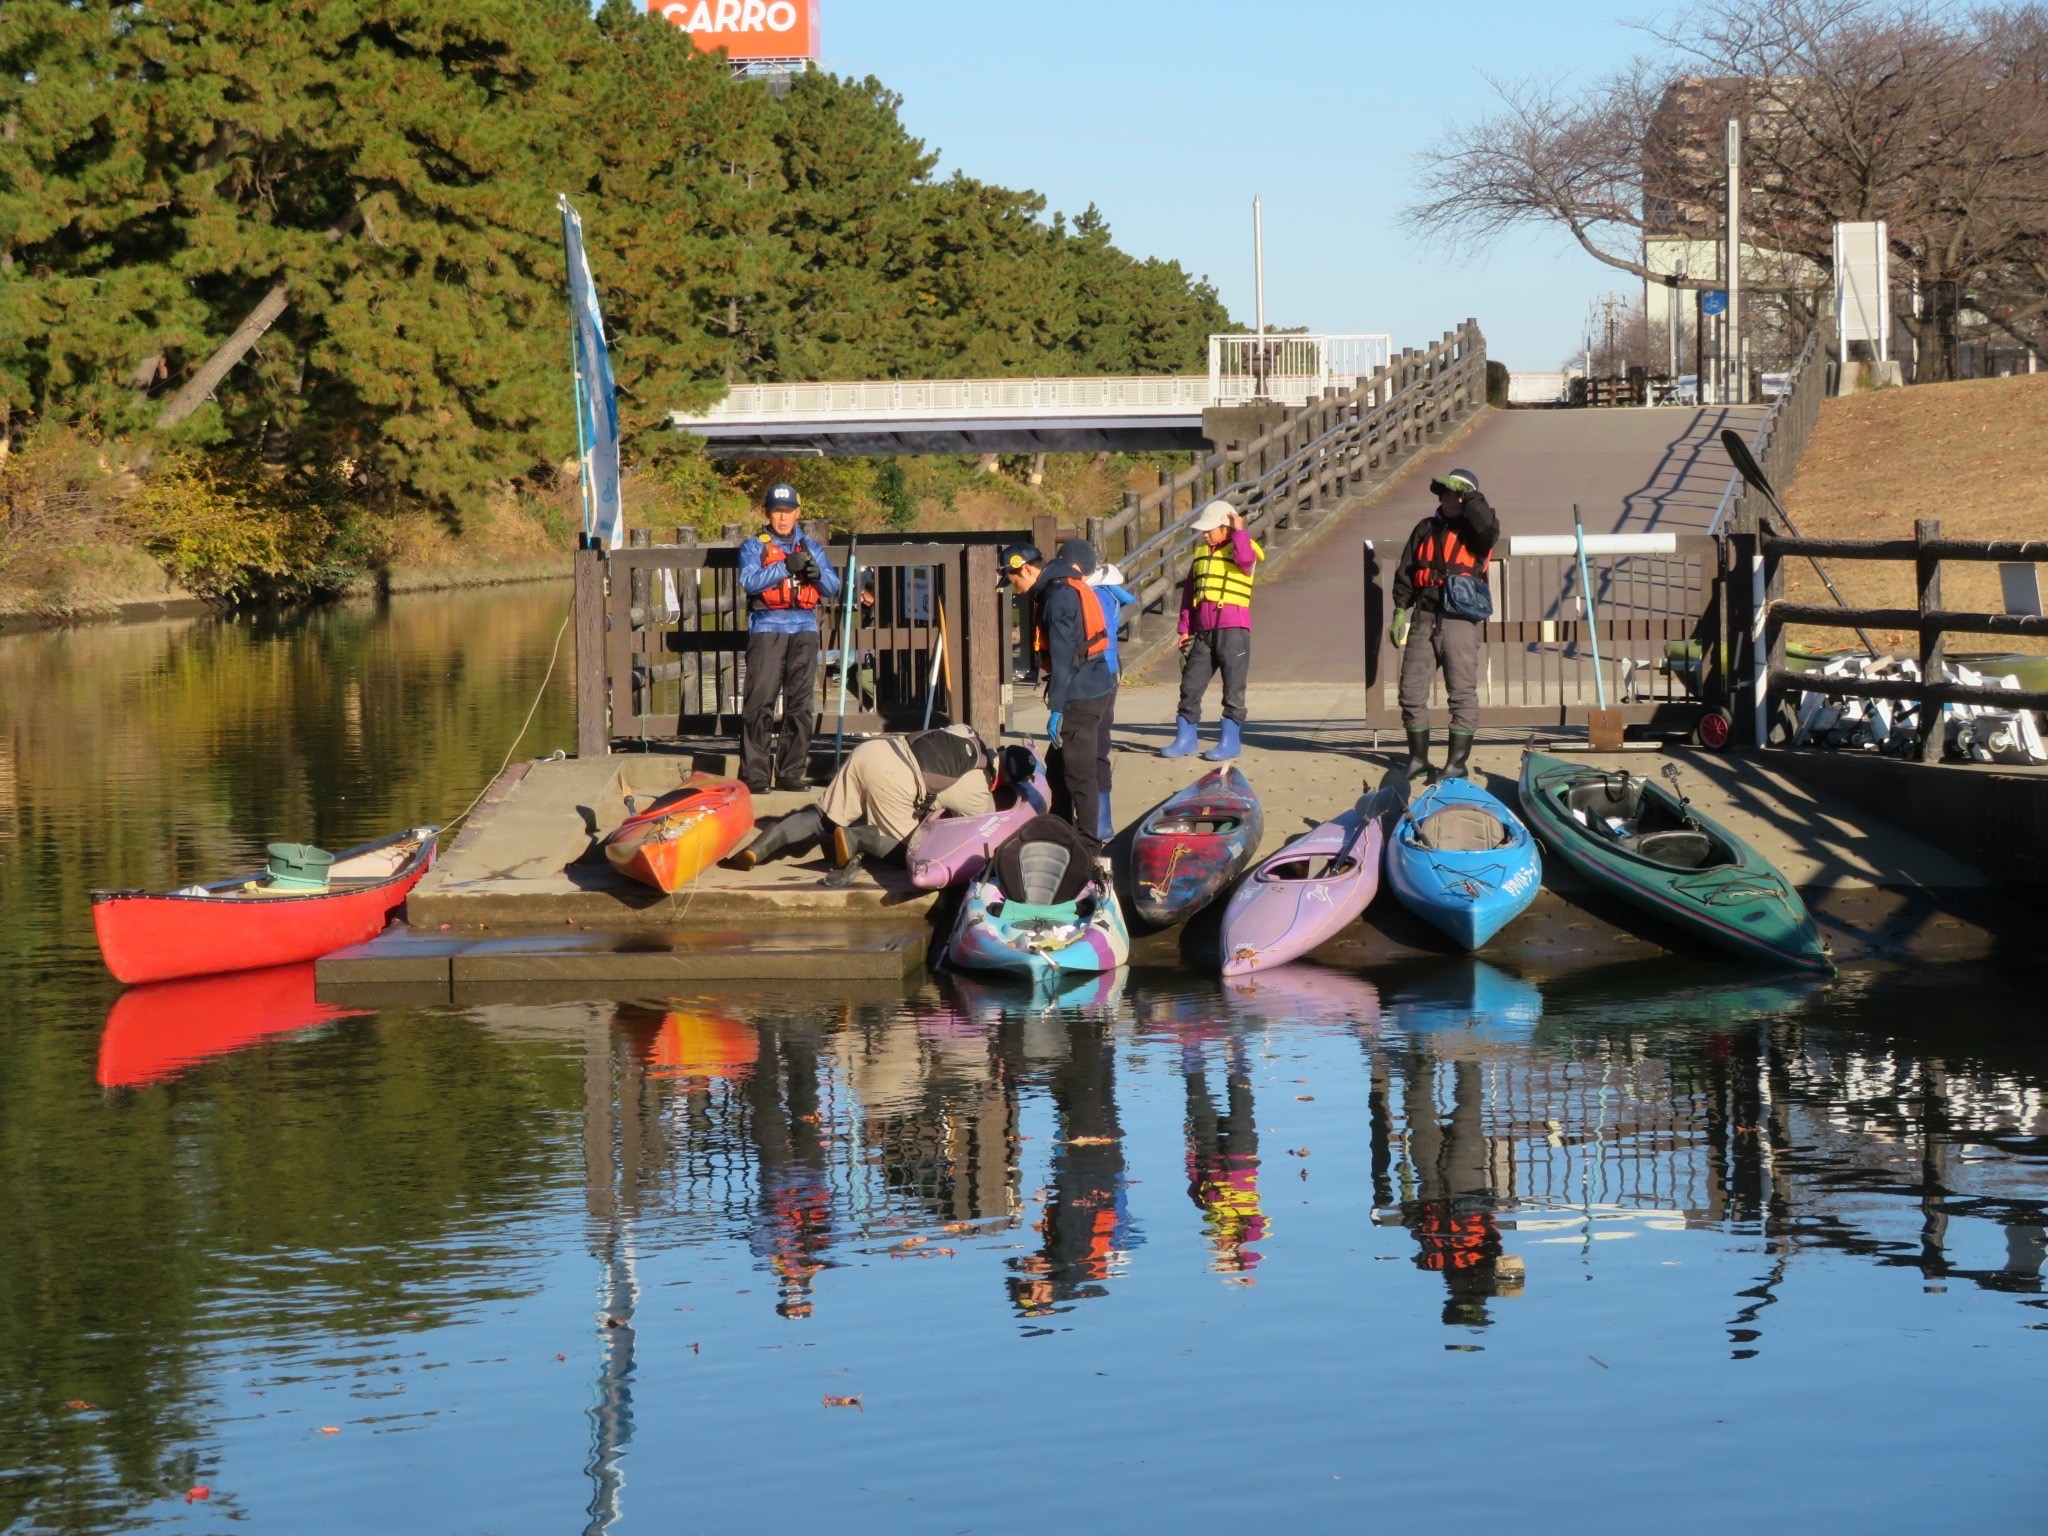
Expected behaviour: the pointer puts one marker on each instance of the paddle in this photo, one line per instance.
(1371, 806)
(1603, 725)
(1753, 472)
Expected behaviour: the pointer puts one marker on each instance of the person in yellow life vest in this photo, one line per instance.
(1440, 591)
(1216, 629)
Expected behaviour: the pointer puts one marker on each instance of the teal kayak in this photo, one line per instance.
(1633, 837)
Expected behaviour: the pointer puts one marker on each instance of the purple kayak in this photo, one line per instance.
(1306, 894)
(946, 849)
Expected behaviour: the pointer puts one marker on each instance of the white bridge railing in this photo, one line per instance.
(922, 399)
(1291, 369)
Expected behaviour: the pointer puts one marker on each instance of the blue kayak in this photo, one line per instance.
(1463, 862)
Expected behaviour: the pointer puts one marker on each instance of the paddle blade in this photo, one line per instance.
(1745, 462)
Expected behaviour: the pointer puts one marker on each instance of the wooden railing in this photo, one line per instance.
(932, 645)
(1932, 622)
(1288, 479)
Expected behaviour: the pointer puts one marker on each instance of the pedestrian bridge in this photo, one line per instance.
(1045, 415)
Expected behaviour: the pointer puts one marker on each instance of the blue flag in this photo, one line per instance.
(597, 401)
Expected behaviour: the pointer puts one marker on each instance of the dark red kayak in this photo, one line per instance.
(240, 925)
(1188, 850)
(156, 1031)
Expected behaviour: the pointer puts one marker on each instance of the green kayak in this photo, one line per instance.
(1640, 841)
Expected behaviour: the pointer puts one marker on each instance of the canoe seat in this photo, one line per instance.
(1683, 848)
(1461, 829)
(1044, 865)
(1597, 797)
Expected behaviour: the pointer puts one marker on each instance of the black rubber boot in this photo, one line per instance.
(1418, 754)
(792, 832)
(1461, 749)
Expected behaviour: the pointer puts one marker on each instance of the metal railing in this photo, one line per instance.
(1782, 435)
(912, 399)
(1290, 369)
(1288, 479)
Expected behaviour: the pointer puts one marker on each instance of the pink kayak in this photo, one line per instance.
(946, 849)
(1304, 895)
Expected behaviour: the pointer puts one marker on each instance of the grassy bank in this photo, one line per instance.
(1968, 453)
(86, 536)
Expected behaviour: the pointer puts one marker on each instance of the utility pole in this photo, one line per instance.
(1735, 375)
(1672, 324)
(1259, 285)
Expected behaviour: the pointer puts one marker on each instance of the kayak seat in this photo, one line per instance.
(1601, 796)
(1045, 864)
(1199, 824)
(1461, 829)
(1683, 848)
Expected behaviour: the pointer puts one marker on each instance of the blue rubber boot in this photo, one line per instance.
(1184, 743)
(1228, 745)
(1105, 822)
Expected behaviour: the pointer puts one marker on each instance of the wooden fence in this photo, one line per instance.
(1927, 549)
(661, 630)
(1656, 600)
(1288, 479)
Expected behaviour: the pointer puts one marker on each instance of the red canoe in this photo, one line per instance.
(238, 925)
(156, 1031)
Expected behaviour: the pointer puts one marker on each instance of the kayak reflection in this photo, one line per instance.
(1223, 1157)
(1469, 996)
(1304, 991)
(159, 1029)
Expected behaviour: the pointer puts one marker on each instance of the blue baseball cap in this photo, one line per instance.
(783, 498)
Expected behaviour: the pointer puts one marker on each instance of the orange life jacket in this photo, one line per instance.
(1095, 628)
(785, 593)
(1442, 552)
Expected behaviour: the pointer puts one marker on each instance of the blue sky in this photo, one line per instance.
(1170, 116)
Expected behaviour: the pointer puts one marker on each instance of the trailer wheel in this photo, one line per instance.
(1716, 730)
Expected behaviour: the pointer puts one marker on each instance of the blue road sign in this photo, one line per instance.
(1714, 301)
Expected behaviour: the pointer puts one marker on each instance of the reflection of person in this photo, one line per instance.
(786, 577)
(1072, 638)
(1452, 1215)
(1451, 546)
(1223, 1161)
(1086, 1224)
(793, 1226)
(884, 789)
(1216, 629)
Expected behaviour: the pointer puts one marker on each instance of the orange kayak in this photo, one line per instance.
(684, 833)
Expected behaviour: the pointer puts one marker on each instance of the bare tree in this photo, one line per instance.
(1852, 110)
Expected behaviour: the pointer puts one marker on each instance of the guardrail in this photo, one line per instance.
(1782, 435)
(1927, 549)
(1290, 369)
(913, 399)
(1287, 479)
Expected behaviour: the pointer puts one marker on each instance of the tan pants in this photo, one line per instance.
(880, 785)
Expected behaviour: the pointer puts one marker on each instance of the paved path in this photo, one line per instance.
(1629, 471)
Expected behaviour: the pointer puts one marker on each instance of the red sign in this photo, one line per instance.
(746, 29)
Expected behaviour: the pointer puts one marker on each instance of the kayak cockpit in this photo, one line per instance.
(1460, 829)
(1197, 823)
(1621, 808)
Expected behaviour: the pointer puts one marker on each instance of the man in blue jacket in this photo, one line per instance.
(1072, 637)
(787, 578)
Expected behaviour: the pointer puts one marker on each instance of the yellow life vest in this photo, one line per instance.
(1218, 578)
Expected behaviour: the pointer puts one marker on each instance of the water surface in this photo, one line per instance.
(1667, 1248)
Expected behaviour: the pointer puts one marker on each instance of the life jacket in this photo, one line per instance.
(785, 593)
(1095, 628)
(1216, 577)
(941, 759)
(1441, 553)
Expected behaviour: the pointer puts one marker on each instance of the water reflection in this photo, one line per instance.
(158, 1030)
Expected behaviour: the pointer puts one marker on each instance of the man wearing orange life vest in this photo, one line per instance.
(1073, 643)
(1439, 592)
(786, 577)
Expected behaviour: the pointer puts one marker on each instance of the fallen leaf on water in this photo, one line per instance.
(1091, 1141)
(330, 1429)
(615, 1322)
(79, 1405)
(946, 1253)
(845, 1402)
(912, 1242)
(198, 1494)
(1297, 1152)
(1305, 1098)
(958, 1228)
(1241, 1279)
(561, 1357)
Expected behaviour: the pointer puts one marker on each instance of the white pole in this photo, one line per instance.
(1738, 376)
(1259, 264)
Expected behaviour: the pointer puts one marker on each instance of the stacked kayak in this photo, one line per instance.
(946, 849)
(1305, 894)
(1041, 909)
(1651, 847)
(278, 917)
(682, 834)
(1188, 850)
(1463, 862)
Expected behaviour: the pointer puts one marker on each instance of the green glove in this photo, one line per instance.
(1400, 627)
